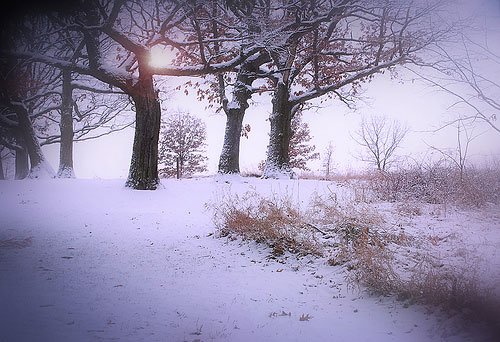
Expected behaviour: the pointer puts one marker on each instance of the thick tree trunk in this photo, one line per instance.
(21, 164)
(2, 175)
(277, 162)
(66, 129)
(229, 161)
(143, 173)
(39, 166)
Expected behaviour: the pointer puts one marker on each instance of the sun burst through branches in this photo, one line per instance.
(159, 57)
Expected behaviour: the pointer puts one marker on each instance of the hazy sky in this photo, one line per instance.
(420, 107)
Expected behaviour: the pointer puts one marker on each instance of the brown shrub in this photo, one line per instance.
(275, 221)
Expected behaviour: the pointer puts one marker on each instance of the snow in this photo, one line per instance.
(234, 104)
(275, 172)
(66, 171)
(85, 260)
(42, 171)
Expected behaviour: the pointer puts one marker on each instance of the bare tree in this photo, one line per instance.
(328, 159)
(468, 73)
(56, 100)
(16, 117)
(82, 112)
(459, 156)
(356, 42)
(315, 48)
(11, 138)
(278, 26)
(182, 146)
(379, 138)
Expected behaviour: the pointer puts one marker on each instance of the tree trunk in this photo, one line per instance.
(66, 128)
(277, 162)
(22, 164)
(181, 168)
(39, 166)
(2, 175)
(143, 173)
(229, 161)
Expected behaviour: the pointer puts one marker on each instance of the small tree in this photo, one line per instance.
(459, 156)
(181, 148)
(380, 138)
(300, 151)
(328, 159)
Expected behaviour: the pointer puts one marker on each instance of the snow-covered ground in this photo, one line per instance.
(90, 260)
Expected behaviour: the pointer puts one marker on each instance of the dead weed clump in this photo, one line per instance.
(354, 233)
(442, 287)
(275, 221)
(457, 291)
(373, 267)
(452, 288)
(344, 219)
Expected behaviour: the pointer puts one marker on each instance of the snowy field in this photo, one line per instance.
(89, 260)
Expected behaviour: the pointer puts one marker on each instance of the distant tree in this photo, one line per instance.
(459, 155)
(328, 159)
(81, 109)
(380, 138)
(300, 150)
(182, 146)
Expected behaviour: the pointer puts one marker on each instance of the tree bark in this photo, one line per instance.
(2, 175)
(143, 173)
(229, 161)
(39, 166)
(66, 127)
(22, 164)
(277, 162)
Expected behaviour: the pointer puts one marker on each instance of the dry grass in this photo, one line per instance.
(451, 288)
(351, 234)
(373, 267)
(439, 183)
(275, 221)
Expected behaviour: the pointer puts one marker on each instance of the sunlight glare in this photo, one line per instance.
(159, 57)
